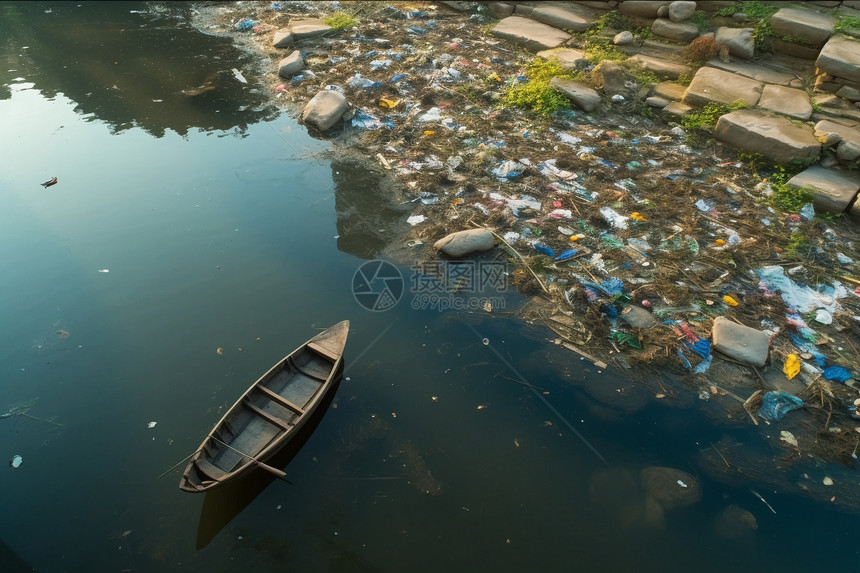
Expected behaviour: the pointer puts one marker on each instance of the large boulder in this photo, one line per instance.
(283, 38)
(609, 77)
(680, 11)
(464, 242)
(325, 109)
(578, 92)
(713, 85)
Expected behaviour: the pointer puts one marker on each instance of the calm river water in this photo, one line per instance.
(193, 240)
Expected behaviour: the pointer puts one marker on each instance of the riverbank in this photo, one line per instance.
(677, 240)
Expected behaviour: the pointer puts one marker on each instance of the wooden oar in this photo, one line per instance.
(268, 468)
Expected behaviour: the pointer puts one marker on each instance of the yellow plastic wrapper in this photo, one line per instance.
(389, 103)
(637, 217)
(792, 366)
(729, 300)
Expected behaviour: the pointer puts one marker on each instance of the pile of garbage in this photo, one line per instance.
(643, 250)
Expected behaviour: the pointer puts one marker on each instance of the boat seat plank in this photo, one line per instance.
(280, 400)
(266, 416)
(323, 351)
(310, 366)
(210, 469)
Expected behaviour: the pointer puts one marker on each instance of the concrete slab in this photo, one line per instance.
(569, 58)
(790, 102)
(662, 68)
(670, 90)
(833, 190)
(713, 85)
(531, 35)
(565, 16)
(840, 57)
(776, 138)
(810, 27)
(754, 72)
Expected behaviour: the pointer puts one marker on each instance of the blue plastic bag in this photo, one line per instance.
(544, 250)
(703, 366)
(702, 347)
(837, 373)
(775, 405)
(566, 255)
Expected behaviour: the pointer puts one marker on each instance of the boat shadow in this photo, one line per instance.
(221, 505)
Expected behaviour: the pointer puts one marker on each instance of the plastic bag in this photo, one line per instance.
(775, 405)
(837, 373)
(791, 368)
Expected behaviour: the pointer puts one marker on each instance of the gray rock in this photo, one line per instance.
(637, 317)
(663, 11)
(661, 67)
(677, 108)
(739, 41)
(787, 101)
(670, 90)
(464, 242)
(283, 38)
(566, 16)
(291, 65)
(840, 57)
(742, 343)
(681, 11)
(810, 27)
(848, 92)
(325, 109)
(308, 28)
(578, 92)
(609, 77)
(802, 51)
(531, 35)
(754, 72)
(500, 10)
(568, 58)
(776, 138)
(847, 151)
(657, 101)
(624, 38)
(826, 134)
(675, 31)
(832, 190)
(713, 85)
(640, 9)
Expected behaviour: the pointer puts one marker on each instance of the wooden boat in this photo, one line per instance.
(269, 413)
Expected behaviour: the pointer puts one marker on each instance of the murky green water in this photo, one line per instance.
(221, 227)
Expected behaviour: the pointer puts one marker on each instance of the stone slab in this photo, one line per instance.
(579, 93)
(805, 25)
(308, 28)
(291, 65)
(675, 31)
(662, 69)
(755, 72)
(742, 343)
(840, 57)
(776, 138)
(640, 9)
(283, 38)
(565, 16)
(677, 108)
(531, 35)
(847, 131)
(568, 58)
(790, 102)
(833, 190)
(670, 91)
(713, 85)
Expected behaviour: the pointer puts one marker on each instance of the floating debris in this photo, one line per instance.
(16, 462)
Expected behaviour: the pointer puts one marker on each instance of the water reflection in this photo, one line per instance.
(132, 65)
(367, 212)
(221, 505)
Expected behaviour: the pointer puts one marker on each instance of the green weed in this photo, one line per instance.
(706, 118)
(536, 94)
(844, 23)
(340, 20)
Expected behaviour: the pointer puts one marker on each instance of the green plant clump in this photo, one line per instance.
(340, 20)
(844, 23)
(706, 118)
(787, 197)
(536, 94)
